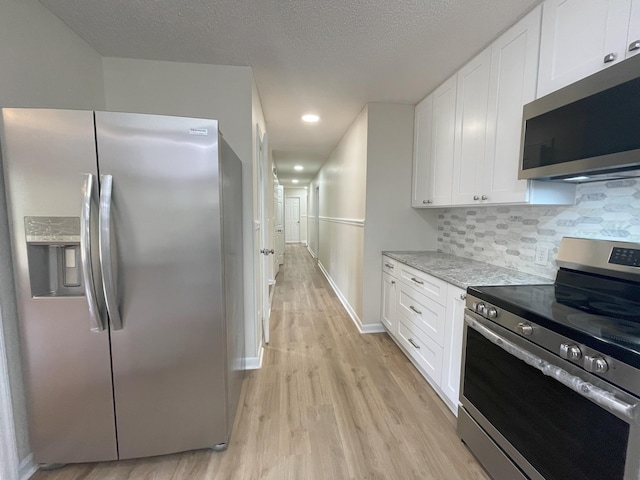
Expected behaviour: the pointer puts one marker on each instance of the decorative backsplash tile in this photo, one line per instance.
(507, 236)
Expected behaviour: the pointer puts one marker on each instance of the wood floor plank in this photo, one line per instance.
(329, 403)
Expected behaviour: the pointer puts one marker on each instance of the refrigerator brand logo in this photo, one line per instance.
(198, 131)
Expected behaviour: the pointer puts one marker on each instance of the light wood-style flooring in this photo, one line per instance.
(328, 404)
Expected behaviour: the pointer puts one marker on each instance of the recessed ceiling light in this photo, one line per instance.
(310, 118)
(294, 181)
(298, 168)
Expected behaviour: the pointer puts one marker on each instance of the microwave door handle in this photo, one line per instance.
(97, 323)
(605, 399)
(108, 280)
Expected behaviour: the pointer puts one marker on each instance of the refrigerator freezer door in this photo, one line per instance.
(46, 156)
(169, 358)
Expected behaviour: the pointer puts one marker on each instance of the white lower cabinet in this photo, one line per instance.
(388, 304)
(426, 354)
(424, 315)
(451, 362)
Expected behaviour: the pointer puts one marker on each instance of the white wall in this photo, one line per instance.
(342, 182)
(197, 90)
(300, 193)
(391, 224)
(43, 64)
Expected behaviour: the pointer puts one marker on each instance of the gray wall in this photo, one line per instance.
(507, 236)
(390, 222)
(44, 64)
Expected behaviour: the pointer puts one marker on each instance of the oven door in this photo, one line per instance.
(552, 419)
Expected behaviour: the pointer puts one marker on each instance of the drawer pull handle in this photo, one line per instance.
(419, 282)
(393, 282)
(633, 46)
(415, 310)
(388, 265)
(610, 57)
(414, 343)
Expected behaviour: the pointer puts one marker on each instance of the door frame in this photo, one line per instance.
(9, 461)
(263, 275)
(317, 220)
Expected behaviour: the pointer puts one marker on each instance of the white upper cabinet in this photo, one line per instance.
(477, 161)
(470, 133)
(581, 37)
(512, 84)
(434, 136)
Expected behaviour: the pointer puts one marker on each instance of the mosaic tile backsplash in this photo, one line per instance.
(507, 236)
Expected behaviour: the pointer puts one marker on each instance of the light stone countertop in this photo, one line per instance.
(464, 272)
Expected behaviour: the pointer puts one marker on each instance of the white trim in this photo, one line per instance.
(254, 363)
(352, 313)
(357, 222)
(311, 251)
(373, 328)
(9, 462)
(27, 468)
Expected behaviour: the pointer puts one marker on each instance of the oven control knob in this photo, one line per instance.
(570, 352)
(480, 308)
(525, 328)
(595, 364)
(492, 313)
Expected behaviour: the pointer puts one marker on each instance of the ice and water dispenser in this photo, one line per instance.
(53, 249)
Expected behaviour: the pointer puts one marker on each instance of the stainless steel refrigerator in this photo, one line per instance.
(126, 237)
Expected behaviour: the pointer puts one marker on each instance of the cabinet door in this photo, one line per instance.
(514, 66)
(388, 307)
(577, 35)
(422, 146)
(470, 134)
(451, 362)
(442, 135)
(633, 37)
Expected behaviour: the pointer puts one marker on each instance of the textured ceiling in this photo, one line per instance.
(326, 56)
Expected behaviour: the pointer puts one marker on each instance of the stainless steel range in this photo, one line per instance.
(550, 384)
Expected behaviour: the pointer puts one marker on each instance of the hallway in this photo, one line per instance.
(329, 403)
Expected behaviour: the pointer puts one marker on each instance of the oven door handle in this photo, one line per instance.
(606, 400)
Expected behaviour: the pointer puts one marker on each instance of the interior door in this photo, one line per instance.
(292, 219)
(279, 250)
(169, 360)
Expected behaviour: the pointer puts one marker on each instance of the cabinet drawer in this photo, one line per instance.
(424, 283)
(390, 266)
(424, 351)
(423, 312)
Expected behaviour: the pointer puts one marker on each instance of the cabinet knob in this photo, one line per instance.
(484, 197)
(427, 202)
(610, 57)
(463, 296)
(476, 197)
(393, 282)
(633, 46)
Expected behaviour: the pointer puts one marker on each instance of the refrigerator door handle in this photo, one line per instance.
(108, 281)
(97, 322)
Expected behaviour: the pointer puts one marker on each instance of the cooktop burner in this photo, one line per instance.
(608, 328)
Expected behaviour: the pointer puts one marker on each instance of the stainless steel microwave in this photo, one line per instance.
(587, 131)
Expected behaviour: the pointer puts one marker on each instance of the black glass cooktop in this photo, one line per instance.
(606, 319)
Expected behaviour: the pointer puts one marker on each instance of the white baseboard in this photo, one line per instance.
(27, 467)
(375, 328)
(311, 252)
(255, 363)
